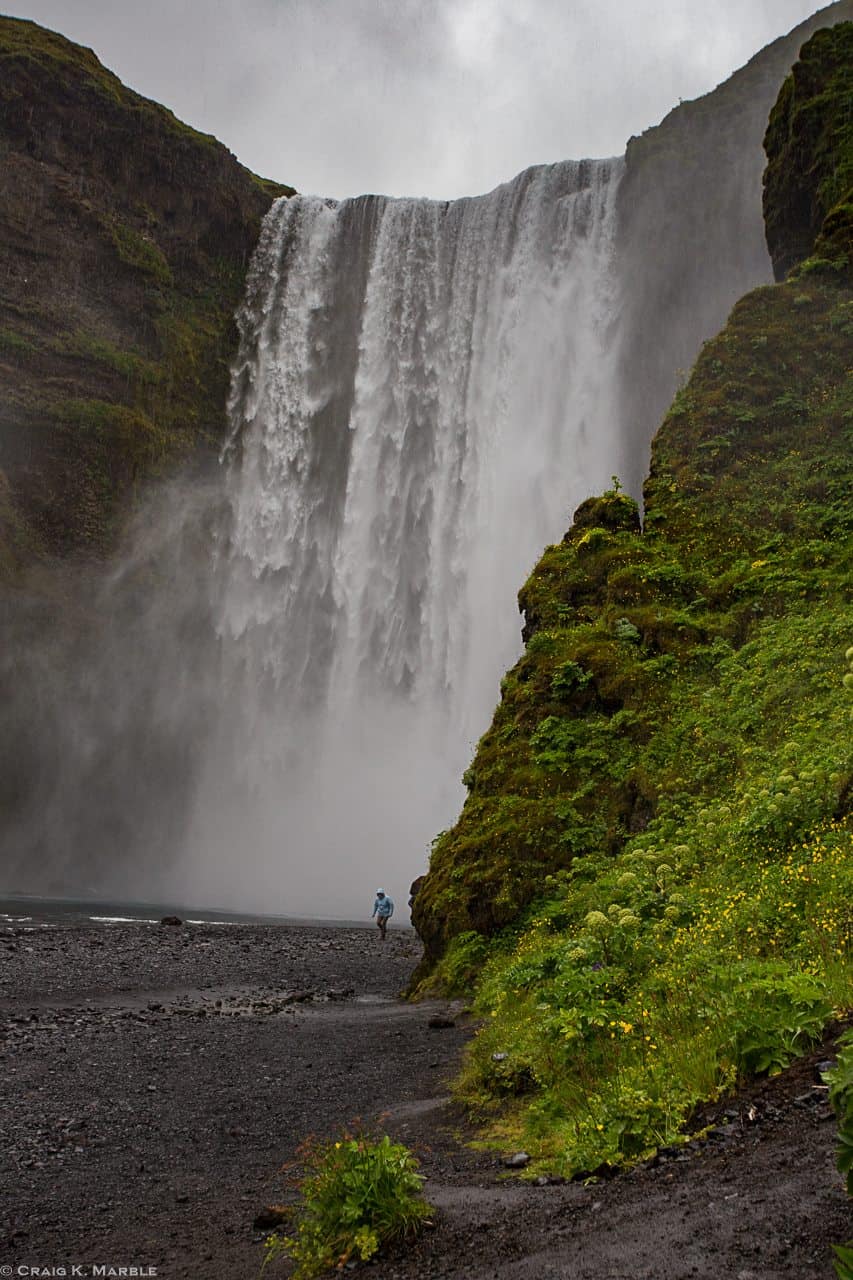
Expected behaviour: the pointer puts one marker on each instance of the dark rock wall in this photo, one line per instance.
(124, 240)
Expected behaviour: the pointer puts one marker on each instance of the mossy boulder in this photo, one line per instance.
(613, 510)
(808, 183)
(124, 240)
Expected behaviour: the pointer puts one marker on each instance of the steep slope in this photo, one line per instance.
(808, 186)
(124, 240)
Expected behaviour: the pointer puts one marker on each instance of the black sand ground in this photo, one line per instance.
(155, 1080)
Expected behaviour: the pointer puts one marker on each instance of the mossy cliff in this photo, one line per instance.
(808, 184)
(124, 240)
(680, 665)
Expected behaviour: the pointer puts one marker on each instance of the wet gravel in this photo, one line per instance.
(155, 1082)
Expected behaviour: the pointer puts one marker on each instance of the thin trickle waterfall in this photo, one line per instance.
(422, 395)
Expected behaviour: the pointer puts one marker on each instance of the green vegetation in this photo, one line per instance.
(639, 989)
(843, 1261)
(14, 343)
(139, 251)
(358, 1194)
(127, 362)
(27, 42)
(840, 1081)
(114, 447)
(809, 180)
(43, 51)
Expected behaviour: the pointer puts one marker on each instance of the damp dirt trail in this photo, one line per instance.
(154, 1081)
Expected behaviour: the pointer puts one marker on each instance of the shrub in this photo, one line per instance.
(358, 1193)
(624, 629)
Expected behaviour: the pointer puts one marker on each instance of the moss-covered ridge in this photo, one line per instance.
(808, 183)
(617, 716)
(124, 240)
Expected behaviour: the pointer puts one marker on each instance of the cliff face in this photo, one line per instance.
(619, 724)
(691, 231)
(808, 185)
(124, 240)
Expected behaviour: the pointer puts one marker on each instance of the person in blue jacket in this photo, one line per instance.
(383, 909)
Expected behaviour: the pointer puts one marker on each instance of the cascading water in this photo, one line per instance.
(423, 392)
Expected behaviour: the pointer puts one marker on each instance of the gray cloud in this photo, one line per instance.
(432, 97)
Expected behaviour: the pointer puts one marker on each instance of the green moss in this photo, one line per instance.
(114, 447)
(139, 251)
(21, 40)
(273, 189)
(14, 343)
(133, 440)
(808, 185)
(129, 364)
(18, 543)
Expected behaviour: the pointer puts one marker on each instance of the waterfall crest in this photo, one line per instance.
(423, 393)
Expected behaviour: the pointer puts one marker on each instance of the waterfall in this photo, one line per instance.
(422, 394)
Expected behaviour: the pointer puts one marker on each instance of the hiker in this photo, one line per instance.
(383, 909)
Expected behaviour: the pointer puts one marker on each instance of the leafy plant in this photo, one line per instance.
(569, 679)
(843, 1261)
(779, 1021)
(840, 1081)
(624, 629)
(358, 1193)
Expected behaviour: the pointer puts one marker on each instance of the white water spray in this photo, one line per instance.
(423, 393)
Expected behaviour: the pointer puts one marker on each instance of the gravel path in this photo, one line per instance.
(155, 1080)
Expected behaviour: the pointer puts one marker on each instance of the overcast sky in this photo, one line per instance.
(418, 97)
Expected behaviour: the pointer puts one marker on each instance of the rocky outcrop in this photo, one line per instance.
(808, 184)
(124, 240)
